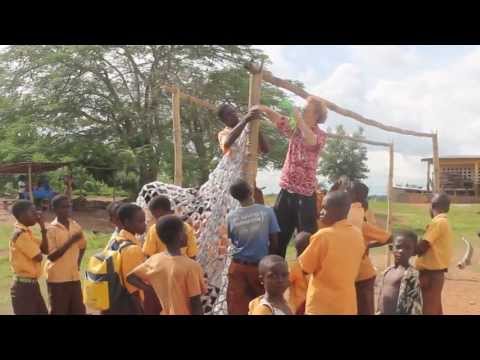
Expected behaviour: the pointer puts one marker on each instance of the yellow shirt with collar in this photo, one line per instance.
(23, 247)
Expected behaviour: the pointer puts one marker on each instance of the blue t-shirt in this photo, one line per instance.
(249, 229)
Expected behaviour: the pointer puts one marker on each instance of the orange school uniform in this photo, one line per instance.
(153, 244)
(296, 294)
(24, 246)
(333, 258)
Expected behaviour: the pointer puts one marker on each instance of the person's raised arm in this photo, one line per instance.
(307, 133)
(280, 121)
(238, 129)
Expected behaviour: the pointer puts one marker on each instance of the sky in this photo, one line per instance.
(421, 88)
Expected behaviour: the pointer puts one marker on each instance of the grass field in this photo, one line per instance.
(464, 218)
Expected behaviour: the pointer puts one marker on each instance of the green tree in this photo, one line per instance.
(344, 157)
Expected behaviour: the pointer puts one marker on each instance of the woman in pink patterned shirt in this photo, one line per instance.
(296, 203)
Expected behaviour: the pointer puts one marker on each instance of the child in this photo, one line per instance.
(374, 237)
(253, 231)
(232, 131)
(112, 210)
(434, 255)
(273, 274)
(132, 220)
(177, 280)
(160, 206)
(25, 255)
(66, 246)
(333, 258)
(400, 288)
(297, 291)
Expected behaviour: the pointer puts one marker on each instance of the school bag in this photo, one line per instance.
(103, 282)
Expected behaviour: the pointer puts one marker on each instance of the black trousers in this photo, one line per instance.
(66, 298)
(294, 211)
(27, 299)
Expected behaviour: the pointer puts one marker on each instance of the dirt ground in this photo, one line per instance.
(461, 294)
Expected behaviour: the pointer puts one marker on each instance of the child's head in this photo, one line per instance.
(302, 240)
(160, 206)
(404, 245)
(440, 204)
(273, 273)
(112, 210)
(241, 190)
(171, 230)
(61, 206)
(359, 192)
(336, 205)
(132, 218)
(228, 115)
(25, 213)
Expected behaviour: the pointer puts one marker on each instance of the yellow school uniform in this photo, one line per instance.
(23, 247)
(333, 258)
(175, 280)
(153, 244)
(65, 268)
(259, 306)
(439, 234)
(131, 257)
(296, 294)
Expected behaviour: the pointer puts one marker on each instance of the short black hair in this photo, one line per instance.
(240, 190)
(127, 211)
(360, 190)
(57, 199)
(160, 202)
(441, 202)
(113, 207)
(268, 262)
(20, 207)
(222, 108)
(407, 234)
(168, 227)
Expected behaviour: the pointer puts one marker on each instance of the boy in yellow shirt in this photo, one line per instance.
(434, 255)
(177, 280)
(333, 258)
(297, 291)
(159, 207)
(273, 275)
(132, 219)
(66, 246)
(373, 237)
(25, 255)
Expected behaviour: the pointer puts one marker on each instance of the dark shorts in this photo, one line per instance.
(27, 299)
(66, 298)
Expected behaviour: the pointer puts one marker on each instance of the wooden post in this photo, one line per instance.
(390, 198)
(428, 176)
(177, 137)
(249, 171)
(436, 165)
(30, 191)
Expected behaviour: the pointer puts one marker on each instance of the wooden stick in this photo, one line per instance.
(287, 85)
(202, 103)
(249, 170)
(30, 191)
(363, 141)
(177, 138)
(390, 199)
(428, 176)
(436, 165)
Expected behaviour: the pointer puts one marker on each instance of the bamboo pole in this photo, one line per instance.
(177, 137)
(249, 171)
(436, 164)
(428, 176)
(30, 191)
(363, 141)
(287, 85)
(193, 99)
(390, 199)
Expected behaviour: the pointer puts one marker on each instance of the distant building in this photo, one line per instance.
(459, 177)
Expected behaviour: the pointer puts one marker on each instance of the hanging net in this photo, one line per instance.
(205, 209)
